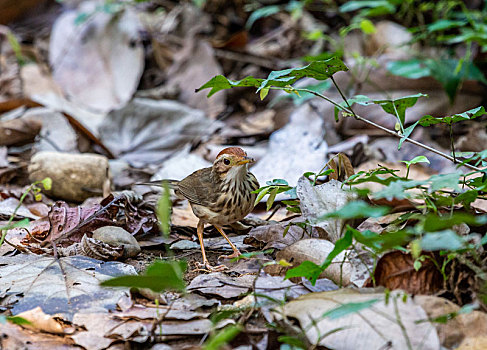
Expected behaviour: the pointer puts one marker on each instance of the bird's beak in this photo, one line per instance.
(246, 160)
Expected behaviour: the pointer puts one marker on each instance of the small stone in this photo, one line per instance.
(117, 236)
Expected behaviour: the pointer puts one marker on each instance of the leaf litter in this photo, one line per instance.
(101, 57)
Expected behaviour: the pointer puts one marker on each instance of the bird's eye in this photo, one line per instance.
(226, 161)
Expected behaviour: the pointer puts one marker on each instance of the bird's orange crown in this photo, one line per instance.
(237, 151)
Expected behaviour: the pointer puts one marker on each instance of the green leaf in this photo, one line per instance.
(21, 223)
(382, 242)
(357, 210)
(350, 6)
(14, 319)
(411, 69)
(293, 341)
(159, 276)
(473, 113)
(261, 13)
(164, 210)
(311, 271)
(398, 106)
(340, 245)
(280, 182)
(261, 195)
(47, 183)
(433, 222)
(222, 337)
(397, 189)
(319, 70)
(447, 73)
(440, 181)
(444, 24)
(407, 132)
(415, 160)
(271, 198)
(360, 99)
(367, 26)
(221, 83)
(306, 269)
(263, 93)
(442, 240)
(349, 308)
(304, 95)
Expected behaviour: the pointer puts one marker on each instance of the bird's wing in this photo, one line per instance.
(197, 187)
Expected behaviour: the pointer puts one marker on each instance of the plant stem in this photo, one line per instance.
(391, 132)
(452, 144)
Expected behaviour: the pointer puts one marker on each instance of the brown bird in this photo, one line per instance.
(220, 195)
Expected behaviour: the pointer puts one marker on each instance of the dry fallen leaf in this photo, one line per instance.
(65, 286)
(227, 287)
(395, 270)
(193, 66)
(147, 131)
(102, 329)
(97, 62)
(19, 131)
(294, 149)
(68, 224)
(316, 201)
(374, 326)
(16, 337)
(45, 323)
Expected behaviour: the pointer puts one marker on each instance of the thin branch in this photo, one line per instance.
(383, 128)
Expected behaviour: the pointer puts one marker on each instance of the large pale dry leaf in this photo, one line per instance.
(193, 66)
(148, 132)
(295, 149)
(97, 62)
(67, 285)
(316, 201)
(374, 327)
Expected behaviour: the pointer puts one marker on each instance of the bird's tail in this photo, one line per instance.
(172, 184)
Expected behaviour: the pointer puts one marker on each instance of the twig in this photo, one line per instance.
(391, 132)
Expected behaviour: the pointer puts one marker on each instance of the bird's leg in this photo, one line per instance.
(206, 264)
(236, 253)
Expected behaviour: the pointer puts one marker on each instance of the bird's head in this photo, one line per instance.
(232, 161)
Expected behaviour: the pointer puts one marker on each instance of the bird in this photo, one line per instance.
(219, 195)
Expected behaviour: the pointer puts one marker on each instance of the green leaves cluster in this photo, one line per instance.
(319, 70)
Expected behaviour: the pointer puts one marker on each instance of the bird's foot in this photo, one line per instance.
(207, 267)
(235, 254)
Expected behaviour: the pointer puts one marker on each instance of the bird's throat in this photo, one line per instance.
(235, 174)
